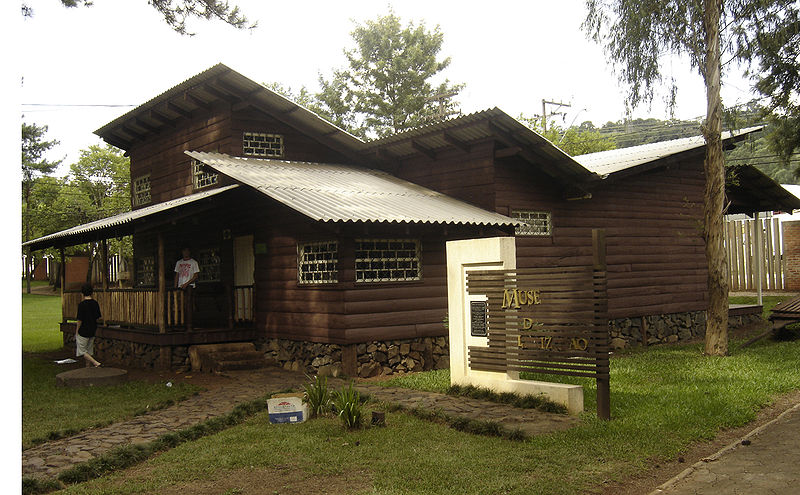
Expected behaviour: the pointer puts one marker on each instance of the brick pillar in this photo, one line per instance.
(791, 253)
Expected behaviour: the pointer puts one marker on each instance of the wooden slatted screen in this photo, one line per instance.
(545, 320)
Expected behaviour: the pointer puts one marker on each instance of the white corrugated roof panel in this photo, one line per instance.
(608, 162)
(345, 193)
(128, 217)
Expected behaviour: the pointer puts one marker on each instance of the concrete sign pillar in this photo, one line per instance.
(497, 253)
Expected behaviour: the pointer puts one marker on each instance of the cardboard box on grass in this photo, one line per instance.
(287, 408)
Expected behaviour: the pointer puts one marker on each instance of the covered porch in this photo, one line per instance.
(150, 324)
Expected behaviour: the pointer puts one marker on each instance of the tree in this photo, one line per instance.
(636, 33)
(33, 165)
(574, 141)
(387, 86)
(176, 12)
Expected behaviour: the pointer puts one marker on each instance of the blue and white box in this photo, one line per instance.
(287, 408)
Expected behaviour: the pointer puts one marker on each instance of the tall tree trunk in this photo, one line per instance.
(716, 342)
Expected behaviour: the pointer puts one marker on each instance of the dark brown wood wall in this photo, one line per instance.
(162, 156)
(465, 176)
(655, 257)
(219, 129)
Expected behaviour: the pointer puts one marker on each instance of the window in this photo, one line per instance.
(209, 263)
(262, 145)
(141, 190)
(202, 175)
(146, 271)
(538, 222)
(387, 260)
(317, 262)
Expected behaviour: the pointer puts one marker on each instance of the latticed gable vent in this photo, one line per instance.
(263, 145)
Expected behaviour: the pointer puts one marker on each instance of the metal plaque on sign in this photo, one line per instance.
(477, 311)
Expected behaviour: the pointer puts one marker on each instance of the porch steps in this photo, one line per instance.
(225, 357)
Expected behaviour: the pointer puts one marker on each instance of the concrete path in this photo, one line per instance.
(50, 459)
(765, 461)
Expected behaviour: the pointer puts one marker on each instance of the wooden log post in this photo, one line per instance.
(162, 288)
(601, 319)
(104, 264)
(63, 281)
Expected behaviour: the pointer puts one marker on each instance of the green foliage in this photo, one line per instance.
(347, 403)
(176, 12)
(574, 140)
(431, 381)
(387, 86)
(317, 396)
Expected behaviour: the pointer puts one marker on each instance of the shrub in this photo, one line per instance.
(347, 403)
(317, 396)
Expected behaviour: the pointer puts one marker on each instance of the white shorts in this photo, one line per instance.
(84, 345)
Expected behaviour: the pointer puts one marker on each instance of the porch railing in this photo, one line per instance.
(139, 307)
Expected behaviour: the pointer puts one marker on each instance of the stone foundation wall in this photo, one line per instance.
(669, 328)
(132, 354)
(371, 358)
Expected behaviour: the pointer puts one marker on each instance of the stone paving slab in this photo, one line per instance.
(769, 464)
(50, 459)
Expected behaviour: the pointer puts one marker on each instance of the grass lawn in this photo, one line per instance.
(662, 400)
(769, 302)
(50, 411)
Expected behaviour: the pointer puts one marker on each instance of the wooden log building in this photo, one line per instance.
(327, 253)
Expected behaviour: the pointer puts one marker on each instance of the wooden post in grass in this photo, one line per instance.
(601, 321)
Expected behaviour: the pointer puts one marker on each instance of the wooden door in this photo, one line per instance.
(243, 278)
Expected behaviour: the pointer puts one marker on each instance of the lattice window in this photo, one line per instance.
(209, 263)
(141, 190)
(317, 262)
(387, 260)
(260, 144)
(146, 271)
(203, 175)
(538, 222)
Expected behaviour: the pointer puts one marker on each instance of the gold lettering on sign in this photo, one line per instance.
(579, 344)
(527, 323)
(514, 298)
(547, 343)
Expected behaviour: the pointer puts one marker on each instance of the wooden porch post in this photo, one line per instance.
(162, 287)
(104, 264)
(63, 279)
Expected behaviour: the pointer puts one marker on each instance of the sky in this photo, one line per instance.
(510, 54)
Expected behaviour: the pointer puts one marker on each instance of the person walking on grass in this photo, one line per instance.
(88, 314)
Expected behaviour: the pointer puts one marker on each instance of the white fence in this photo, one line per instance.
(740, 243)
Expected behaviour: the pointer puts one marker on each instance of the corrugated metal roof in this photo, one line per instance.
(609, 162)
(124, 218)
(344, 193)
(479, 126)
(216, 83)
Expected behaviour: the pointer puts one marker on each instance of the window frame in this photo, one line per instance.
(530, 229)
(199, 174)
(416, 258)
(137, 192)
(301, 262)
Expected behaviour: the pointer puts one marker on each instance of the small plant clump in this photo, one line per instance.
(347, 403)
(317, 396)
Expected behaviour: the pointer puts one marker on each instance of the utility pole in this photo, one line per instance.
(557, 104)
(444, 111)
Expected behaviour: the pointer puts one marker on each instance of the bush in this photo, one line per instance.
(347, 403)
(317, 396)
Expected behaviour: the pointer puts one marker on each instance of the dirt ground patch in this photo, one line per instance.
(660, 472)
(277, 480)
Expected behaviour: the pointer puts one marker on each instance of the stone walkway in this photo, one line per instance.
(50, 459)
(765, 462)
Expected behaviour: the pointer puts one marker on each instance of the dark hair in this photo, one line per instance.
(86, 289)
